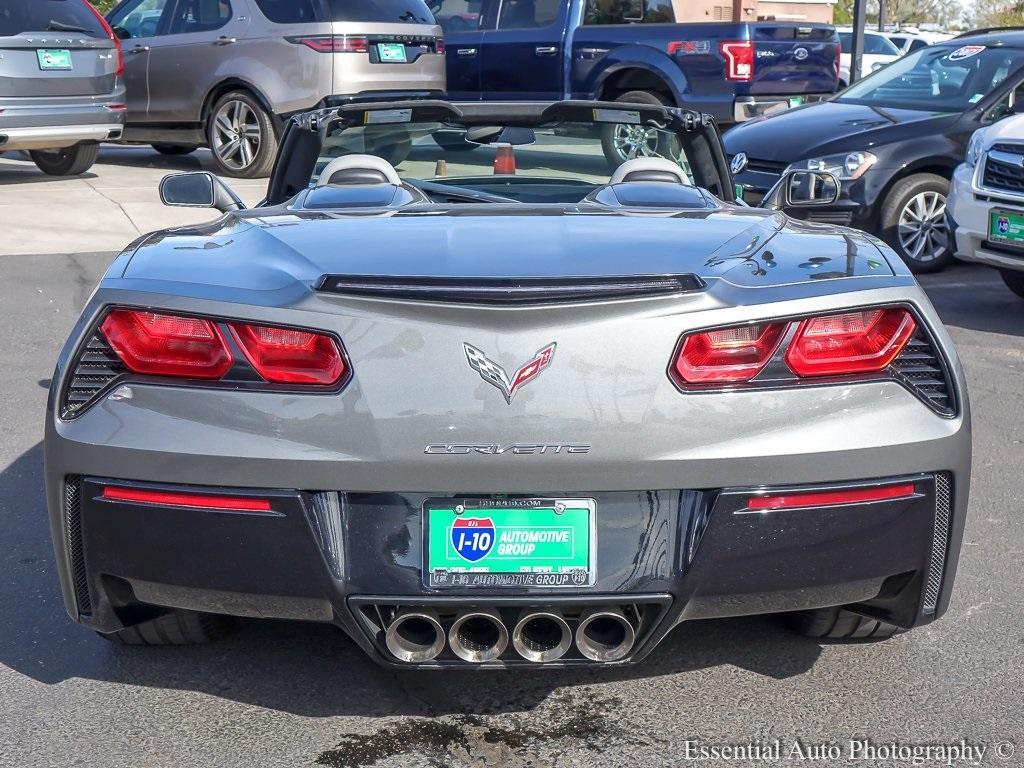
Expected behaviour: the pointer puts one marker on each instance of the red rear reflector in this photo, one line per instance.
(739, 59)
(439, 45)
(854, 342)
(171, 499)
(289, 356)
(166, 345)
(727, 355)
(832, 498)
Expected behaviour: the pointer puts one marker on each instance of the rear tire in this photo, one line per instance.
(839, 624)
(623, 142)
(176, 627)
(914, 223)
(1014, 281)
(173, 150)
(241, 136)
(70, 161)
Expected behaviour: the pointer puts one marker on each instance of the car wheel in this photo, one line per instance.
(241, 136)
(176, 627)
(1014, 281)
(839, 624)
(624, 142)
(453, 141)
(914, 222)
(173, 150)
(70, 161)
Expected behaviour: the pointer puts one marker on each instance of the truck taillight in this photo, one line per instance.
(739, 59)
(334, 43)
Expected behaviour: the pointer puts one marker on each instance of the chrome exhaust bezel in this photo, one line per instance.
(478, 656)
(394, 641)
(552, 654)
(596, 651)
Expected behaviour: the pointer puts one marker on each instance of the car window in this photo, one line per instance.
(629, 12)
(872, 44)
(289, 11)
(1011, 104)
(460, 15)
(139, 18)
(528, 14)
(407, 11)
(48, 15)
(898, 41)
(915, 44)
(200, 16)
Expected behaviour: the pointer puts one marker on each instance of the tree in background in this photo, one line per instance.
(909, 12)
(997, 13)
(103, 5)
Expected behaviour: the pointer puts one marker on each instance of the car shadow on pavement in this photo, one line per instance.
(992, 308)
(310, 669)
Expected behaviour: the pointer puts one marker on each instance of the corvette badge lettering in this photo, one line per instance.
(497, 449)
(495, 375)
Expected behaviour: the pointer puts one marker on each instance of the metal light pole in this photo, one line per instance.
(857, 54)
(881, 15)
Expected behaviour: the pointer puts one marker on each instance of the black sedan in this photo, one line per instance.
(893, 139)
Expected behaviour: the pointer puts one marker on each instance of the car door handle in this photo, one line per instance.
(592, 53)
(466, 52)
(138, 49)
(545, 50)
(225, 40)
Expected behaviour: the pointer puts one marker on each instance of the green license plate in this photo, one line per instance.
(509, 542)
(1006, 227)
(796, 101)
(391, 52)
(54, 58)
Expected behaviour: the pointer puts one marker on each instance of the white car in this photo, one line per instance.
(985, 208)
(878, 51)
(908, 41)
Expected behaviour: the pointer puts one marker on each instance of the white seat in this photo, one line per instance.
(359, 169)
(649, 169)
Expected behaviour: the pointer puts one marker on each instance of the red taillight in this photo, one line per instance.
(830, 498)
(334, 43)
(199, 500)
(113, 38)
(439, 45)
(287, 356)
(854, 342)
(739, 59)
(167, 345)
(727, 355)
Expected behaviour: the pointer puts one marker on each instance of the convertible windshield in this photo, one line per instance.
(937, 79)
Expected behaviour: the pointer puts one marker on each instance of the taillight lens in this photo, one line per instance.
(288, 356)
(853, 342)
(439, 45)
(155, 344)
(113, 38)
(739, 59)
(334, 43)
(727, 355)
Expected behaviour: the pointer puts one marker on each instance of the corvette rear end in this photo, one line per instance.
(496, 437)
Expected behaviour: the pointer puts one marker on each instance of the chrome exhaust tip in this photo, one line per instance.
(415, 636)
(541, 636)
(478, 636)
(604, 634)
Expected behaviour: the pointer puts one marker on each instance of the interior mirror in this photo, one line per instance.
(802, 189)
(487, 134)
(199, 189)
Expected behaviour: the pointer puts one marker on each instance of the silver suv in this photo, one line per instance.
(224, 73)
(60, 90)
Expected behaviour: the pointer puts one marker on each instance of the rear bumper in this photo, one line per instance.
(53, 123)
(348, 558)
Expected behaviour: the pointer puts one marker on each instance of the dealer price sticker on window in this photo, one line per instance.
(509, 542)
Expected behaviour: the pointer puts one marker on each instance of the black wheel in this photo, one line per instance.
(1014, 281)
(70, 161)
(173, 150)
(389, 143)
(914, 222)
(176, 627)
(453, 141)
(242, 137)
(625, 142)
(839, 624)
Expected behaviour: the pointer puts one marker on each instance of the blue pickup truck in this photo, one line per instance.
(632, 50)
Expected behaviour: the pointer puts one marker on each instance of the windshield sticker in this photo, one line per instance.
(616, 116)
(975, 98)
(965, 52)
(378, 116)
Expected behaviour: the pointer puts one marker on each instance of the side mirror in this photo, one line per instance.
(802, 189)
(121, 33)
(199, 189)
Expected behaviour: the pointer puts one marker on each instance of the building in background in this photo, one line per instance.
(752, 10)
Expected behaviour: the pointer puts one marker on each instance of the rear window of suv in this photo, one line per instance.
(382, 11)
(48, 16)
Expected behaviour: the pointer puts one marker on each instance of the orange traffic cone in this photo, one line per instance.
(505, 160)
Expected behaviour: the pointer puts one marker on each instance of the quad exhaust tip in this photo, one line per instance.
(541, 636)
(478, 636)
(604, 634)
(415, 636)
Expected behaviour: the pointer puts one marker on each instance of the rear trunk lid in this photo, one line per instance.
(794, 58)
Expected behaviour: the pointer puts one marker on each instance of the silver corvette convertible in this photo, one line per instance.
(506, 404)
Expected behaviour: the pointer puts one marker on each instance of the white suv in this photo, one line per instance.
(985, 209)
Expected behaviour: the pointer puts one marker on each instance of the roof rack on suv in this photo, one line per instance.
(988, 31)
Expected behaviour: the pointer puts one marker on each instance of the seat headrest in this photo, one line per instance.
(359, 169)
(649, 169)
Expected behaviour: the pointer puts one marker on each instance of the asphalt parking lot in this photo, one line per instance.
(289, 694)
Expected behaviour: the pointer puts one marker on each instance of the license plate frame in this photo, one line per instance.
(392, 53)
(54, 59)
(1013, 236)
(496, 570)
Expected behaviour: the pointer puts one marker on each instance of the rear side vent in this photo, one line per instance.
(96, 368)
(940, 542)
(921, 370)
(73, 542)
(520, 290)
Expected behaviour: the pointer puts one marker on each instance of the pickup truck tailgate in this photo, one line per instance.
(794, 58)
